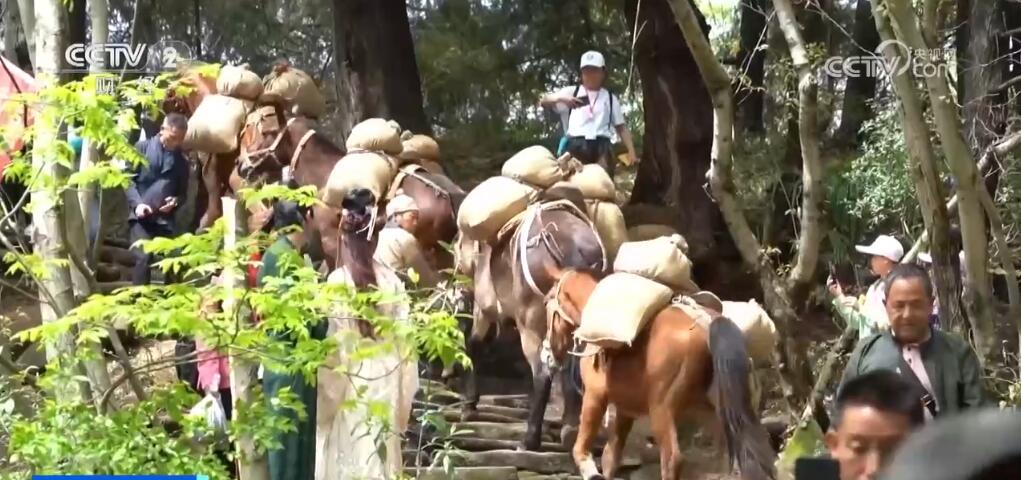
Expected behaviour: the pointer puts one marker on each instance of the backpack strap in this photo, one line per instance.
(610, 116)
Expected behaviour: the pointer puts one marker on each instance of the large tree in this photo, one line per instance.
(375, 62)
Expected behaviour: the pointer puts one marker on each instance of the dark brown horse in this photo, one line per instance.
(510, 287)
(674, 367)
(270, 142)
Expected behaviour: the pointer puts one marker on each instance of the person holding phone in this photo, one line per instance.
(869, 316)
(590, 114)
(156, 189)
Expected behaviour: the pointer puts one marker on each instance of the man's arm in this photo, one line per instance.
(134, 198)
(973, 394)
(415, 259)
(622, 131)
(560, 101)
(848, 310)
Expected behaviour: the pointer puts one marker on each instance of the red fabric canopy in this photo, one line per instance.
(12, 111)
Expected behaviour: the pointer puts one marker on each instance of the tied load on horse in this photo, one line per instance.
(218, 104)
(666, 353)
(513, 227)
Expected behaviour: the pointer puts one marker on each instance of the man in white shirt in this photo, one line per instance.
(593, 113)
(397, 247)
(885, 252)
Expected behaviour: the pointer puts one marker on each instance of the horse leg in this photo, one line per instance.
(542, 383)
(214, 190)
(664, 427)
(592, 409)
(475, 348)
(615, 447)
(570, 384)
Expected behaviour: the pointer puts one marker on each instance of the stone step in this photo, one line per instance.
(464, 473)
(442, 397)
(515, 401)
(539, 462)
(502, 431)
(525, 475)
(474, 444)
(454, 415)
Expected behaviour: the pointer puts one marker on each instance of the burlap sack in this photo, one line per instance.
(610, 224)
(369, 170)
(611, 323)
(759, 330)
(238, 82)
(534, 165)
(216, 124)
(420, 147)
(298, 89)
(649, 231)
(376, 135)
(660, 259)
(594, 183)
(492, 204)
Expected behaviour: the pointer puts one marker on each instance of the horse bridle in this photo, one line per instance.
(271, 150)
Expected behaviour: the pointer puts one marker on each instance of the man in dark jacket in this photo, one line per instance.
(943, 364)
(156, 190)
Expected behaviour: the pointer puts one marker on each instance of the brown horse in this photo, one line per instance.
(510, 286)
(673, 367)
(216, 168)
(269, 142)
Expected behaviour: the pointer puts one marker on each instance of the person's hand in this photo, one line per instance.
(572, 102)
(834, 287)
(143, 210)
(169, 204)
(633, 158)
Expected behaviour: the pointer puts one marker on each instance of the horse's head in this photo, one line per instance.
(564, 305)
(261, 159)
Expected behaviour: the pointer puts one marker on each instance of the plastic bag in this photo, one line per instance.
(212, 411)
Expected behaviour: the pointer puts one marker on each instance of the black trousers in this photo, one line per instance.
(145, 230)
(599, 151)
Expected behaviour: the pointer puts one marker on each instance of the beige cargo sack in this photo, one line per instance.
(216, 124)
(239, 82)
(609, 223)
(649, 231)
(420, 147)
(298, 89)
(610, 323)
(759, 330)
(372, 171)
(534, 165)
(376, 135)
(594, 183)
(492, 204)
(660, 259)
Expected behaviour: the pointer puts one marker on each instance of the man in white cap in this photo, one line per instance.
(397, 247)
(590, 114)
(870, 316)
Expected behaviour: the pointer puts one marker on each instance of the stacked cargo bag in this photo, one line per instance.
(759, 330)
(534, 166)
(649, 231)
(609, 222)
(421, 150)
(216, 124)
(491, 204)
(594, 183)
(239, 83)
(369, 163)
(661, 260)
(296, 88)
(611, 323)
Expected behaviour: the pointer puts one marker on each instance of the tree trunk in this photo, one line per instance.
(379, 62)
(10, 31)
(750, 94)
(928, 187)
(860, 89)
(965, 173)
(345, 100)
(26, 9)
(794, 360)
(99, 15)
(804, 268)
(984, 67)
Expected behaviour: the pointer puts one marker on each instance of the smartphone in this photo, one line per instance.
(584, 101)
(817, 468)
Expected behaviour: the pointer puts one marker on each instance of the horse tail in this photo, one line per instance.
(747, 440)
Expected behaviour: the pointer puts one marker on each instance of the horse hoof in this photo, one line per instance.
(596, 477)
(529, 447)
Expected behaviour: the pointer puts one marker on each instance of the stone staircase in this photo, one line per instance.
(486, 447)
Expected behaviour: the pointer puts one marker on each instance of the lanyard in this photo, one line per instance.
(592, 102)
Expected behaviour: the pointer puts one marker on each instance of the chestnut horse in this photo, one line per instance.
(674, 366)
(269, 143)
(510, 285)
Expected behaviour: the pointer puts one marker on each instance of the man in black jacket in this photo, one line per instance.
(156, 190)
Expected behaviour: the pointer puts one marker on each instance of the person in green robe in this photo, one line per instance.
(295, 460)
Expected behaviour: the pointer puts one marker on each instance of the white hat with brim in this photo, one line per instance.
(884, 246)
(401, 203)
(592, 58)
(925, 258)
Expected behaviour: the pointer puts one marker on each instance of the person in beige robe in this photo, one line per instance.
(347, 437)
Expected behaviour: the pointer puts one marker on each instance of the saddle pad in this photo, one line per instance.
(611, 323)
(512, 224)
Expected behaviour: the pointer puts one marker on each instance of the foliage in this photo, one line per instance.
(83, 434)
(873, 193)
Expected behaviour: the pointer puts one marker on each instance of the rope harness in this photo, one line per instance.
(270, 151)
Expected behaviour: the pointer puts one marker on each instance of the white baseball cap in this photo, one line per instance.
(592, 58)
(401, 203)
(925, 257)
(884, 246)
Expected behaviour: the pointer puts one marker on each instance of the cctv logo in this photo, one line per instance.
(160, 57)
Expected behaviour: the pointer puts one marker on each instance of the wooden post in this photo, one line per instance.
(242, 370)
